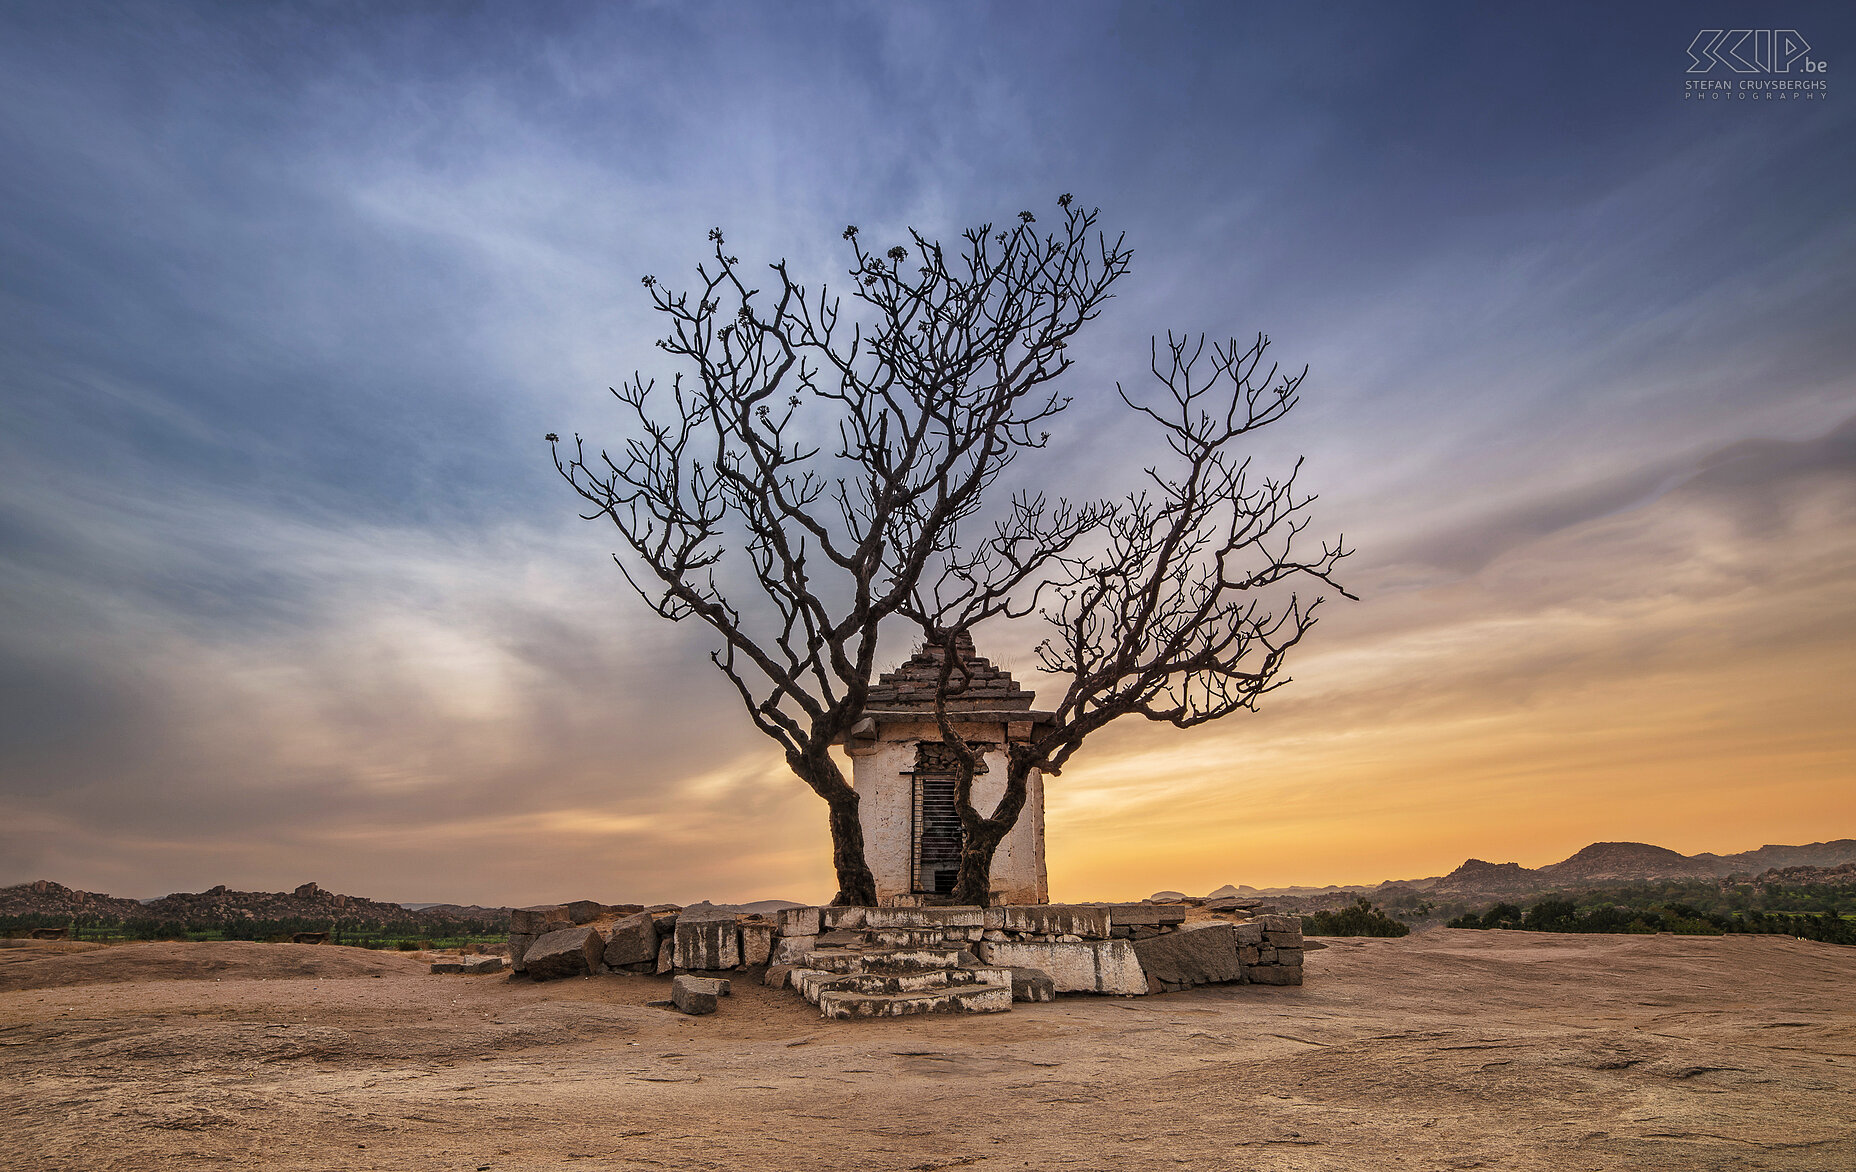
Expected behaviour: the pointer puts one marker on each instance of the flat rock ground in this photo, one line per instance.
(1449, 1049)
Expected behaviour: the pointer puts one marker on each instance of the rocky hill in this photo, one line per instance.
(221, 906)
(45, 898)
(1626, 862)
(1476, 875)
(1598, 865)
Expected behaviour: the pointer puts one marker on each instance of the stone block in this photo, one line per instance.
(1249, 954)
(473, 965)
(633, 940)
(777, 976)
(789, 950)
(1284, 939)
(693, 995)
(756, 943)
(924, 917)
(1279, 923)
(534, 921)
(1204, 955)
(1148, 914)
(1289, 956)
(833, 919)
(1091, 966)
(1248, 933)
(1275, 974)
(1032, 985)
(568, 952)
(1088, 921)
(707, 941)
(518, 948)
(666, 955)
(797, 921)
(585, 911)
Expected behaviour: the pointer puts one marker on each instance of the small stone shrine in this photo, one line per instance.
(904, 775)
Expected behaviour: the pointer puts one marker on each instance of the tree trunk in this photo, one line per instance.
(981, 836)
(856, 884)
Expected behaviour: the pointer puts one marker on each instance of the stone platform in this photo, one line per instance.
(897, 961)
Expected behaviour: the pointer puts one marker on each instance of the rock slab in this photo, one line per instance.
(1083, 966)
(1199, 955)
(633, 940)
(567, 952)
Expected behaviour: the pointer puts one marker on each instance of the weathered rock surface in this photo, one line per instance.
(585, 911)
(797, 921)
(1088, 966)
(633, 940)
(567, 952)
(1148, 914)
(756, 943)
(694, 995)
(474, 965)
(534, 921)
(1089, 922)
(1197, 955)
(707, 941)
(1032, 985)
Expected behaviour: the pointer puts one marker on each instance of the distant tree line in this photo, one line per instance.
(421, 931)
(1360, 918)
(1563, 915)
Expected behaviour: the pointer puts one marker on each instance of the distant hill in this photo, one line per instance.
(1476, 875)
(1600, 864)
(1626, 862)
(221, 906)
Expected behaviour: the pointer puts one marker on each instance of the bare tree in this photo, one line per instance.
(1176, 612)
(834, 450)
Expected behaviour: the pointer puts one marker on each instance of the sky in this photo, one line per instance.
(289, 295)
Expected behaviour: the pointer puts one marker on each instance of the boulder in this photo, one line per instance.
(1089, 966)
(633, 940)
(569, 952)
(1032, 985)
(585, 911)
(707, 940)
(697, 995)
(533, 921)
(694, 995)
(797, 921)
(1199, 955)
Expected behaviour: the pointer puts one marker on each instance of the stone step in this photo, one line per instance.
(921, 982)
(837, 1003)
(859, 960)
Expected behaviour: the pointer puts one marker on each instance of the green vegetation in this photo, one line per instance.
(1648, 915)
(1360, 918)
(414, 933)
